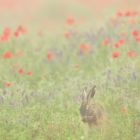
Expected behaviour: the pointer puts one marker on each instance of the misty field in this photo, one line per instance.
(42, 79)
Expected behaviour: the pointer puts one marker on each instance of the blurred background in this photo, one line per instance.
(52, 14)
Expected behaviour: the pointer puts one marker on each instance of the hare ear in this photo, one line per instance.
(91, 92)
(84, 95)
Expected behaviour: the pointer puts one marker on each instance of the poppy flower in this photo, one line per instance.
(115, 54)
(7, 84)
(128, 13)
(7, 54)
(119, 14)
(131, 53)
(116, 45)
(121, 40)
(50, 55)
(4, 37)
(137, 39)
(105, 41)
(66, 34)
(70, 20)
(20, 70)
(6, 31)
(84, 48)
(135, 33)
(123, 109)
(29, 73)
(16, 33)
(21, 29)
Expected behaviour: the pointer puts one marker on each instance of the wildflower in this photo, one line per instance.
(119, 14)
(29, 73)
(66, 34)
(16, 33)
(84, 48)
(7, 54)
(21, 29)
(135, 33)
(116, 45)
(121, 41)
(115, 54)
(50, 55)
(137, 39)
(20, 70)
(6, 31)
(7, 84)
(4, 37)
(105, 41)
(128, 13)
(70, 20)
(131, 54)
(122, 109)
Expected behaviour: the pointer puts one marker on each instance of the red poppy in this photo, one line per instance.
(116, 45)
(66, 34)
(123, 109)
(115, 54)
(135, 33)
(6, 31)
(131, 53)
(50, 55)
(119, 14)
(121, 40)
(5, 34)
(70, 20)
(128, 13)
(106, 41)
(20, 70)
(7, 84)
(29, 73)
(16, 33)
(21, 29)
(84, 48)
(7, 54)
(138, 39)
(4, 37)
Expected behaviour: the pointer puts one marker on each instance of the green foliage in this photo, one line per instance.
(45, 105)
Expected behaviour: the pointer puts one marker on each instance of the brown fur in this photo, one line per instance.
(92, 113)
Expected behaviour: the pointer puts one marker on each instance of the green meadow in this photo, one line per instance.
(43, 77)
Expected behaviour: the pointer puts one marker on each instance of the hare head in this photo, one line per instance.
(91, 113)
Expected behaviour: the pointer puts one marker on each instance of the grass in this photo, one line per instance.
(45, 105)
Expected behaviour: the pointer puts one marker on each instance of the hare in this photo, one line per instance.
(91, 113)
